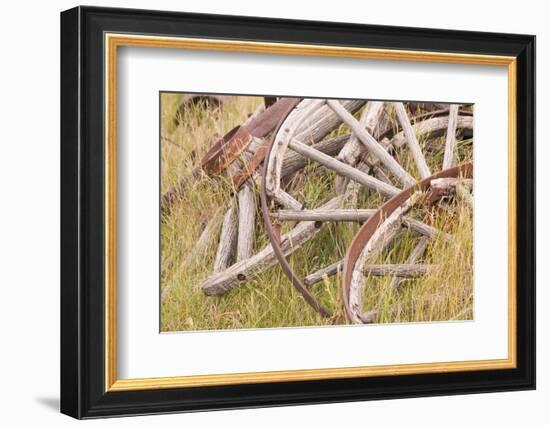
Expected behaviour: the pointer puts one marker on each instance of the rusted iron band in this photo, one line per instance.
(229, 147)
(274, 232)
(216, 156)
(279, 110)
(268, 120)
(366, 231)
(226, 150)
(244, 174)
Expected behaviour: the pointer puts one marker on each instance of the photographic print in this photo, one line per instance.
(277, 216)
(365, 216)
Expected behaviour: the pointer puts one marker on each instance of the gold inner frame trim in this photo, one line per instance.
(113, 41)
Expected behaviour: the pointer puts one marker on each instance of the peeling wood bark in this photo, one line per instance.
(372, 145)
(412, 142)
(240, 272)
(450, 141)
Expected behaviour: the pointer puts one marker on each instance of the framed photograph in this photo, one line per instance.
(261, 212)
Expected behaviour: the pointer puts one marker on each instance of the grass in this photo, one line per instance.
(268, 299)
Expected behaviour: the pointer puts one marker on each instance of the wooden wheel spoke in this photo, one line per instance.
(360, 159)
(451, 138)
(371, 144)
(343, 169)
(355, 215)
(410, 137)
(372, 249)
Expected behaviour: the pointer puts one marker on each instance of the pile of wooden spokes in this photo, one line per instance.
(282, 137)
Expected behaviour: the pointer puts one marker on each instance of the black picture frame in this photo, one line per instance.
(83, 392)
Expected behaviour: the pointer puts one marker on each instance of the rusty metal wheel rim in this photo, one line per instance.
(274, 238)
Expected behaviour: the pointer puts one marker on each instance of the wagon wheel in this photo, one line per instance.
(348, 167)
(238, 223)
(370, 238)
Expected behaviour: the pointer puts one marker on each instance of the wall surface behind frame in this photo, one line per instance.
(29, 217)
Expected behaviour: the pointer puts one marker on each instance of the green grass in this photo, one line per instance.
(268, 299)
